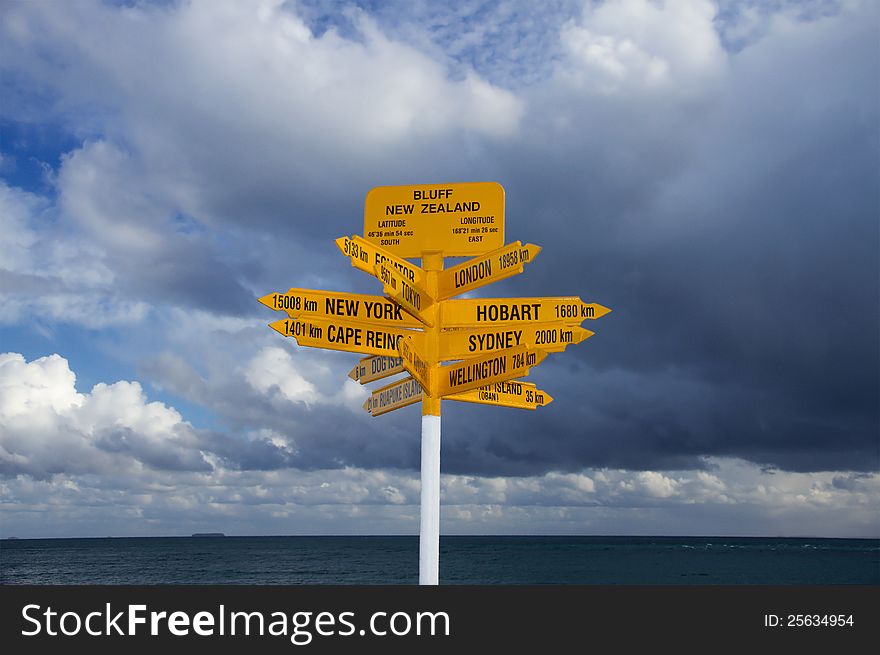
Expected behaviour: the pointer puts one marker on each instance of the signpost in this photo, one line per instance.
(376, 310)
(370, 369)
(343, 335)
(488, 369)
(549, 337)
(519, 395)
(512, 393)
(485, 269)
(483, 312)
(394, 396)
(415, 361)
(419, 324)
(409, 295)
(366, 256)
(456, 219)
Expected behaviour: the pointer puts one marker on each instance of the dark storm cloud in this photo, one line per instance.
(163, 455)
(738, 247)
(258, 454)
(735, 237)
(189, 276)
(314, 435)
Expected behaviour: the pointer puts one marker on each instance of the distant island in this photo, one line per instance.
(208, 534)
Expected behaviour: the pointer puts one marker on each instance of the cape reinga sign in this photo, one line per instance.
(470, 350)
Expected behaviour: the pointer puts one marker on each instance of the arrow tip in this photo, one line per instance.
(584, 334)
(269, 300)
(598, 310)
(340, 243)
(278, 326)
(547, 398)
(366, 406)
(353, 373)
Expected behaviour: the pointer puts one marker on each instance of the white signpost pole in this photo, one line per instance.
(429, 523)
(429, 528)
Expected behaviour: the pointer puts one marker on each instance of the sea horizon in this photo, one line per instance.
(464, 559)
(476, 535)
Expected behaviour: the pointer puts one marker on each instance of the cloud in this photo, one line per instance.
(359, 501)
(254, 82)
(709, 220)
(112, 447)
(272, 369)
(707, 172)
(47, 274)
(251, 120)
(635, 45)
(47, 427)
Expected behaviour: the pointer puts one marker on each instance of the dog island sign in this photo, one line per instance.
(462, 219)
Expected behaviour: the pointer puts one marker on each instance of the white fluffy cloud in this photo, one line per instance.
(272, 371)
(48, 427)
(49, 275)
(634, 45)
(257, 68)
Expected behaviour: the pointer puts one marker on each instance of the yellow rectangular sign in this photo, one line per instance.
(376, 367)
(483, 312)
(485, 269)
(332, 304)
(416, 363)
(344, 335)
(495, 367)
(463, 343)
(519, 395)
(394, 396)
(408, 295)
(365, 256)
(460, 219)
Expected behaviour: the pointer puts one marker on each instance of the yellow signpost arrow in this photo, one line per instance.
(376, 367)
(415, 361)
(409, 295)
(365, 255)
(344, 335)
(485, 269)
(462, 343)
(495, 367)
(519, 395)
(375, 310)
(483, 312)
(460, 219)
(514, 394)
(394, 396)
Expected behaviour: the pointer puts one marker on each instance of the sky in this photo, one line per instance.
(708, 170)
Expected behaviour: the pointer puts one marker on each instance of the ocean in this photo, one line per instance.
(463, 560)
